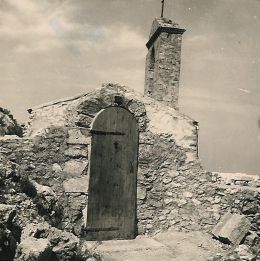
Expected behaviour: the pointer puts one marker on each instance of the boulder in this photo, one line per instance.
(64, 245)
(33, 249)
(231, 228)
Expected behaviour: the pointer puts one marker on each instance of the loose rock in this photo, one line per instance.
(232, 228)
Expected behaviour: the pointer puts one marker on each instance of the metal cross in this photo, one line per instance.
(162, 8)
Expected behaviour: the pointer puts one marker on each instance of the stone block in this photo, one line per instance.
(231, 228)
(75, 167)
(187, 194)
(76, 185)
(56, 167)
(141, 193)
(76, 152)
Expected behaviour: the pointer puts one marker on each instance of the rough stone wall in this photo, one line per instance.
(163, 60)
(48, 160)
(173, 190)
(63, 131)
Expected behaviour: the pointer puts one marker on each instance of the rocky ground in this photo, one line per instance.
(40, 241)
(164, 246)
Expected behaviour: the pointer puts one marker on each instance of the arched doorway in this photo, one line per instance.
(113, 175)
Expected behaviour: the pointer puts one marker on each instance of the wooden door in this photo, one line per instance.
(113, 171)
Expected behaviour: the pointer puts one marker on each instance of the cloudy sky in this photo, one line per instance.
(52, 49)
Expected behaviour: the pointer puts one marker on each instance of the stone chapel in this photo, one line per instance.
(122, 163)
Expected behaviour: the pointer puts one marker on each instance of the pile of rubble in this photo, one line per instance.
(234, 229)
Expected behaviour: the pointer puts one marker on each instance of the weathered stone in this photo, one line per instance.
(75, 136)
(76, 185)
(217, 199)
(251, 239)
(167, 180)
(7, 213)
(174, 173)
(64, 245)
(196, 201)
(181, 202)
(35, 230)
(42, 190)
(56, 167)
(187, 194)
(137, 108)
(34, 249)
(90, 107)
(175, 185)
(84, 121)
(76, 152)
(75, 167)
(141, 193)
(232, 228)
(251, 208)
(244, 253)
(168, 201)
(161, 218)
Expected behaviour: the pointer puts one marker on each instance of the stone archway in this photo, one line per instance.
(113, 175)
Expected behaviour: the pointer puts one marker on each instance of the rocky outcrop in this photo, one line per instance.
(8, 125)
(34, 249)
(40, 240)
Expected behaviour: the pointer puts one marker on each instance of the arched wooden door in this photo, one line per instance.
(113, 171)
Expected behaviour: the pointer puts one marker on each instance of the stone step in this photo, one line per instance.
(169, 246)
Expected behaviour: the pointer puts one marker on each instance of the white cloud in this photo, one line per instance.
(32, 27)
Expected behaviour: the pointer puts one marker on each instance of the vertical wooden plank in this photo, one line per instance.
(113, 171)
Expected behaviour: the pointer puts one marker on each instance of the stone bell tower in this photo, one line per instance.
(162, 72)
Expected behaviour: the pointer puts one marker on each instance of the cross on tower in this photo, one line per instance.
(162, 8)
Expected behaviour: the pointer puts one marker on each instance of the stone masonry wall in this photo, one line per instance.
(73, 124)
(173, 190)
